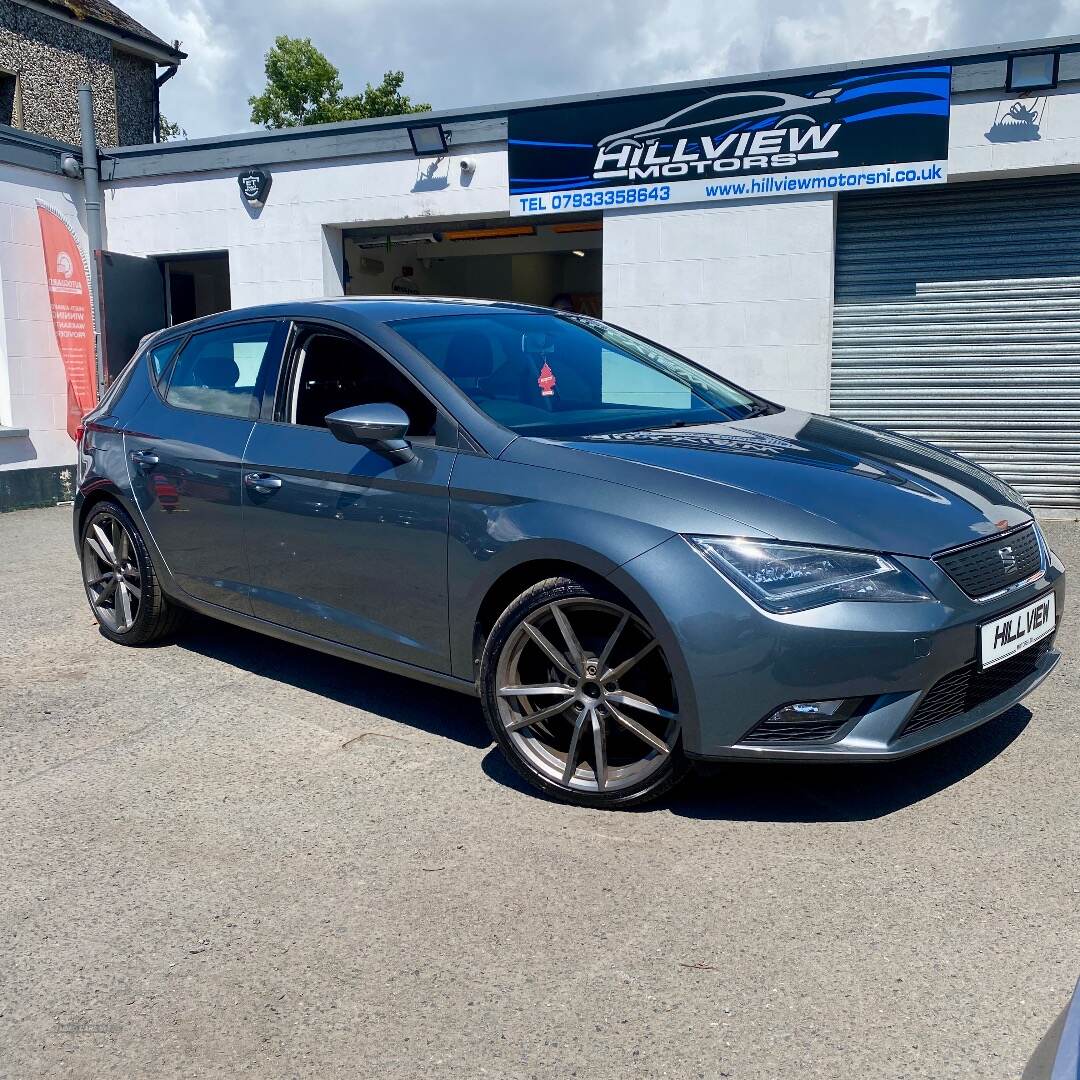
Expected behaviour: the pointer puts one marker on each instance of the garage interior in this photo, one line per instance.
(554, 263)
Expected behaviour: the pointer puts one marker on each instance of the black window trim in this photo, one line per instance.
(161, 388)
(299, 324)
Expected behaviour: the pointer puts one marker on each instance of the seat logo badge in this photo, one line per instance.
(1008, 558)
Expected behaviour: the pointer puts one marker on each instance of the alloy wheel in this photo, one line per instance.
(111, 573)
(586, 696)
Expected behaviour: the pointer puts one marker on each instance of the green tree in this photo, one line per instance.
(167, 130)
(303, 87)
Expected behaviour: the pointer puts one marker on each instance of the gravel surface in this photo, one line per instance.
(227, 856)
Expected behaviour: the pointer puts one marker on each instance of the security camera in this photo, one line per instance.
(467, 166)
(70, 166)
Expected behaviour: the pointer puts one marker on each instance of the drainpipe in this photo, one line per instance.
(158, 84)
(92, 187)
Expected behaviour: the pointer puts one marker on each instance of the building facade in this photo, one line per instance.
(946, 307)
(49, 47)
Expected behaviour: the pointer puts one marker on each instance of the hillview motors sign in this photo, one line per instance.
(878, 128)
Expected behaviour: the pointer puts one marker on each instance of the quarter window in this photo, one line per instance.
(160, 356)
(219, 370)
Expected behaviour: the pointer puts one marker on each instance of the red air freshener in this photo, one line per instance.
(546, 381)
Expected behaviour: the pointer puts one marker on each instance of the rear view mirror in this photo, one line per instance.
(537, 342)
(382, 426)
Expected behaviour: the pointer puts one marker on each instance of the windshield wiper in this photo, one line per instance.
(673, 424)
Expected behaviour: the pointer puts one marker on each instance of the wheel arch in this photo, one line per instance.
(513, 582)
(106, 491)
(91, 496)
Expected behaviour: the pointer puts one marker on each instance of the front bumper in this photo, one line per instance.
(734, 664)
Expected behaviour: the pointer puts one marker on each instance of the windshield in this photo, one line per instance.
(565, 376)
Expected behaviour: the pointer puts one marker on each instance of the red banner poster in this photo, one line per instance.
(72, 315)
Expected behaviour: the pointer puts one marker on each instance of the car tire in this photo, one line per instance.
(610, 715)
(121, 585)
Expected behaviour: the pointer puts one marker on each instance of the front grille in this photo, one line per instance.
(968, 688)
(775, 731)
(992, 565)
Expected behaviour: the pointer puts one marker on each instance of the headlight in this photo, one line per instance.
(1044, 544)
(789, 577)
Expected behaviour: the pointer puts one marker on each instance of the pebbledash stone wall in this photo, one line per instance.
(134, 85)
(52, 57)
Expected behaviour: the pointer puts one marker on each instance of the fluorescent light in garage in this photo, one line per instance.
(489, 234)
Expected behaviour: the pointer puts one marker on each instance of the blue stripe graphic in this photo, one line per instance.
(546, 179)
(889, 74)
(541, 187)
(934, 87)
(912, 108)
(560, 145)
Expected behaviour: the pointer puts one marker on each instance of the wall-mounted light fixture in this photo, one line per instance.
(1033, 71)
(429, 140)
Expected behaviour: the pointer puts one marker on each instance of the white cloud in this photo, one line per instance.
(199, 100)
(478, 52)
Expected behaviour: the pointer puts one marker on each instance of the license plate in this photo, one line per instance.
(1017, 631)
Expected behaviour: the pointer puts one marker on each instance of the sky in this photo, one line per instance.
(458, 53)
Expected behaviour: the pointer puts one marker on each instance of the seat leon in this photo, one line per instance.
(632, 563)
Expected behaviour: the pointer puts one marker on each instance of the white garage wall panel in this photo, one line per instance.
(957, 320)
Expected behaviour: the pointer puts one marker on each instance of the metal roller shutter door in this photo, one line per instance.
(957, 320)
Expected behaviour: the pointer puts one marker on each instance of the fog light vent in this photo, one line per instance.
(804, 721)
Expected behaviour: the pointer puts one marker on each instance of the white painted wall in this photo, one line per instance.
(744, 288)
(288, 249)
(33, 385)
(973, 156)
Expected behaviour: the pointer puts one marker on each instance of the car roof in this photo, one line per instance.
(359, 309)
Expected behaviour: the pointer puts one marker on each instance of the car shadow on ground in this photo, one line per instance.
(398, 699)
(781, 792)
(843, 792)
(750, 791)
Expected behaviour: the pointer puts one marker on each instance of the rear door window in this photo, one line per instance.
(222, 371)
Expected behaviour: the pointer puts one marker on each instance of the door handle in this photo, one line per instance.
(263, 483)
(144, 458)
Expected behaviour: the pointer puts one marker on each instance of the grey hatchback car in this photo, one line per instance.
(631, 562)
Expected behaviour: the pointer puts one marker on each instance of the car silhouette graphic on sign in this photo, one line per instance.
(726, 109)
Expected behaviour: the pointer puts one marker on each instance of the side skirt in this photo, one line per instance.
(323, 645)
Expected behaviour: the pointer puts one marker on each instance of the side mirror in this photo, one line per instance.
(382, 426)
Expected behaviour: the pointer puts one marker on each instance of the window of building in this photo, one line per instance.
(11, 112)
(220, 371)
(333, 372)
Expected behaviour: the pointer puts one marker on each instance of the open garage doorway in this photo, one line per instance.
(556, 264)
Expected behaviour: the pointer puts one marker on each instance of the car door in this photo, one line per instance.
(342, 541)
(185, 447)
